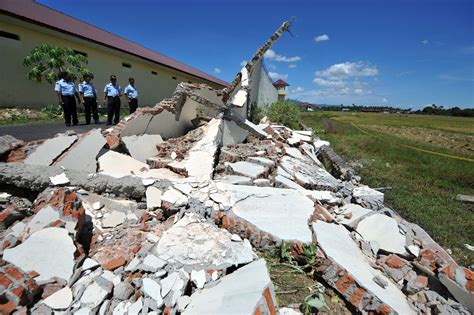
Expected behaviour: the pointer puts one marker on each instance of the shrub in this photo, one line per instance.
(52, 110)
(284, 113)
(256, 114)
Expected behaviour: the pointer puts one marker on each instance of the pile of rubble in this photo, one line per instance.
(120, 221)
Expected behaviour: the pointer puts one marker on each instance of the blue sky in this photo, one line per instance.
(401, 52)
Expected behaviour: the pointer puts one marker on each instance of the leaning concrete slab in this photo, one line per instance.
(337, 244)
(232, 133)
(48, 151)
(142, 147)
(248, 290)
(82, 156)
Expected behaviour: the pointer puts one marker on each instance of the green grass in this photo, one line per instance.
(424, 186)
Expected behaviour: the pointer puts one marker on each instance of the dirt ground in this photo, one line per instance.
(460, 143)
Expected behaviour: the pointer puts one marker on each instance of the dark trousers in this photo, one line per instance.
(113, 109)
(133, 104)
(70, 110)
(90, 107)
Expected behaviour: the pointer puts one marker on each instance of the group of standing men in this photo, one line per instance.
(86, 93)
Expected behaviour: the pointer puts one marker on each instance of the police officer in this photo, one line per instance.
(88, 97)
(131, 93)
(66, 92)
(112, 93)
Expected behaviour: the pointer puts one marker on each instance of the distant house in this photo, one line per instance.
(305, 106)
(25, 24)
(282, 88)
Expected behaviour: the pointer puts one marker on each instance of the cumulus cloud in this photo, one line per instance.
(243, 63)
(217, 70)
(425, 42)
(321, 38)
(276, 76)
(384, 100)
(348, 78)
(292, 66)
(271, 66)
(298, 90)
(349, 69)
(272, 55)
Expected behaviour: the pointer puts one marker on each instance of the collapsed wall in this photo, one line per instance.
(137, 219)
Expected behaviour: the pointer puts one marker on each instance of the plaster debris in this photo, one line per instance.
(48, 151)
(143, 146)
(49, 252)
(153, 198)
(174, 197)
(119, 165)
(247, 169)
(60, 179)
(113, 219)
(384, 230)
(82, 156)
(59, 300)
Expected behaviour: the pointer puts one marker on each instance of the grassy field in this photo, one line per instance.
(386, 150)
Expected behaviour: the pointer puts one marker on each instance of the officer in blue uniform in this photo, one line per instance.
(112, 93)
(66, 93)
(88, 97)
(131, 93)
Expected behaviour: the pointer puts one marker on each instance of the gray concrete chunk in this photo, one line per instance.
(48, 151)
(82, 156)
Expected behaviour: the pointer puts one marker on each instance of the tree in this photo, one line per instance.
(47, 61)
(284, 113)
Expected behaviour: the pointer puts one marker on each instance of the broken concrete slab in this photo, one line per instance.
(153, 198)
(368, 197)
(247, 290)
(232, 133)
(119, 165)
(50, 252)
(82, 155)
(113, 219)
(47, 152)
(152, 289)
(59, 180)
(236, 180)
(143, 146)
(384, 230)
(60, 300)
(247, 169)
(194, 242)
(351, 213)
(272, 210)
(337, 244)
(246, 124)
(174, 197)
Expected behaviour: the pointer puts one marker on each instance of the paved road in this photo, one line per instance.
(38, 130)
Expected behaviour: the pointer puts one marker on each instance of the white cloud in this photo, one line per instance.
(271, 66)
(272, 55)
(217, 70)
(243, 63)
(298, 90)
(349, 69)
(292, 66)
(425, 41)
(328, 83)
(384, 100)
(321, 38)
(275, 75)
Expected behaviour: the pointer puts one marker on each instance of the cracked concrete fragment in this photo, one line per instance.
(247, 169)
(47, 152)
(119, 165)
(143, 146)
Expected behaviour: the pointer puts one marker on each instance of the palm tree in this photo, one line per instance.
(48, 61)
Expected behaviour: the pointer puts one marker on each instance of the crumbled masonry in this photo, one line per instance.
(163, 213)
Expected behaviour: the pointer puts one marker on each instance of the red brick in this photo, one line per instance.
(383, 309)
(344, 283)
(257, 311)
(20, 292)
(470, 285)
(421, 281)
(14, 273)
(167, 311)
(4, 281)
(449, 270)
(231, 224)
(7, 308)
(224, 221)
(469, 274)
(393, 261)
(114, 264)
(269, 300)
(356, 297)
(5, 244)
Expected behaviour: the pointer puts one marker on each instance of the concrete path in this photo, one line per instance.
(39, 130)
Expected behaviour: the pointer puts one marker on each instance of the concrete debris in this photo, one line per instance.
(48, 151)
(248, 290)
(142, 147)
(151, 226)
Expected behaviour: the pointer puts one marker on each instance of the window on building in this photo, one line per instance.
(9, 35)
(126, 65)
(175, 78)
(154, 73)
(80, 53)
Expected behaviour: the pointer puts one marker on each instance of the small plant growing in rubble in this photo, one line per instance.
(315, 301)
(284, 113)
(47, 61)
